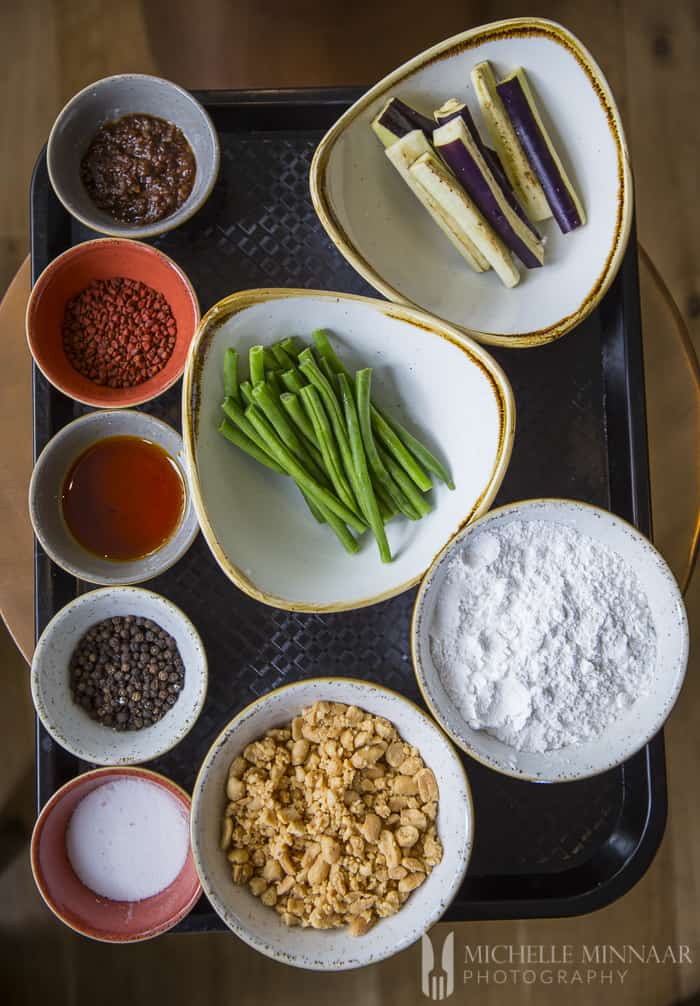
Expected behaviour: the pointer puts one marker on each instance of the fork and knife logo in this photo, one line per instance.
(437, 983)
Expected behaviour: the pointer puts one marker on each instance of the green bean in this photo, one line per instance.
(266, 401)
(368, 499)
(321, 496)
(397, 449)
(293, 380)
(363, 385)
(318, 512)
(346, 539)
(292, 346)
(293, 407)
(327, 352)
(284, 360)
(256, 361)
(328, 371)
(311, 401)
(269, 359)
(272, 379)
(248, 433)
(234, 412)
(419, 450)
(386, 507)
(417, 501)
(310, 370)
(245, 444)
(231, 373)
(246, 390)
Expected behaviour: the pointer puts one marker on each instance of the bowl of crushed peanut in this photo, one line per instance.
(332, 823)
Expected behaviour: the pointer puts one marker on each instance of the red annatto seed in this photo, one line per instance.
(118, 332)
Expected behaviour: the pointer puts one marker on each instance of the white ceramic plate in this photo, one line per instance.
(68, 723)
(442, 386)
(331, 950)
(378, 225)
(637, 725)
(46, 485)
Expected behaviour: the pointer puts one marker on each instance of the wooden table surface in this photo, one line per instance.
(51, 48)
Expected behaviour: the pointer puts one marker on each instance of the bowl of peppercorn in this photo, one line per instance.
(109, 322)
(119, 676)
(133, 155)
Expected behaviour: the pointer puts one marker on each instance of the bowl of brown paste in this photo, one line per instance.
(133, 156)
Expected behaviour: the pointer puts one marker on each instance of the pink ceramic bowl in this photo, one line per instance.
(79, 907)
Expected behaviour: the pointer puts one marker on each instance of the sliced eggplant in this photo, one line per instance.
(456, 146)
(402, 155)
(433, 177)
(454, 109)
(519, 104)
(396, 119)
(504, 138)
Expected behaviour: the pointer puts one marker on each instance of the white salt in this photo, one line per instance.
(128, 839)
(541, 636)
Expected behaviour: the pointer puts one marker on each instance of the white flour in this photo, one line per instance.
(541, 636)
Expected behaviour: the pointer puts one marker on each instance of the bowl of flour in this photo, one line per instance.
(550, 640)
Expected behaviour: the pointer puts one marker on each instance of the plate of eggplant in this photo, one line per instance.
(486, 181)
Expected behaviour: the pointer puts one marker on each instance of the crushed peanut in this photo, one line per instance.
(331, 821)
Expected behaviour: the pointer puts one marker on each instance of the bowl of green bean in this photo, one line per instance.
(336, 443)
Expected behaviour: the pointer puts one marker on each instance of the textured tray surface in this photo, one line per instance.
(259, 229)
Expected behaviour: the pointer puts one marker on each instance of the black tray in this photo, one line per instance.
(540, 850)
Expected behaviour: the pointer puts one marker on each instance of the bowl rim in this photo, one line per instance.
(35, 672)
(473, 37)
(419, 603)
(167, 223)
(207, 764)
(82, 574)
(138, 771)
(238, 302)
(86, 248)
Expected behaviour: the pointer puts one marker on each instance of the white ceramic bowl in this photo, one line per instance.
(46, 484)
(378, 225)
(69, 724)
(635, 726)
(112, 98)
(331, 950)
(443, 386)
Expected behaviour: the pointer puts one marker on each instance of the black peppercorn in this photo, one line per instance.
(117, 667)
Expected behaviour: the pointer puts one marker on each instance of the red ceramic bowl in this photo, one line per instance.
(70, 273)
(79, 907)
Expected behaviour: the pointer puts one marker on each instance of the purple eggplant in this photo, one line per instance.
(430, 174)
(403, 154)
(511, 155)
(519, 103)
(457, 147)
(397, 119)
(454, 109)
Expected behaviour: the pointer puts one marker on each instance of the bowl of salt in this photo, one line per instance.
(111, 855)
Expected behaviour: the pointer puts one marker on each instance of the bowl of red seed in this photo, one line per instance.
(109, 322)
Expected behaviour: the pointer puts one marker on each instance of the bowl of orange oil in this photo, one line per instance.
(109, 500)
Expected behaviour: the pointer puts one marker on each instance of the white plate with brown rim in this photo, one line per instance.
(378, 225)
(443, 387)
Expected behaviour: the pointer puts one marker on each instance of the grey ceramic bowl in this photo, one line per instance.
(331, 949)
(69, 724)
(112, 98)
(46, 484)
